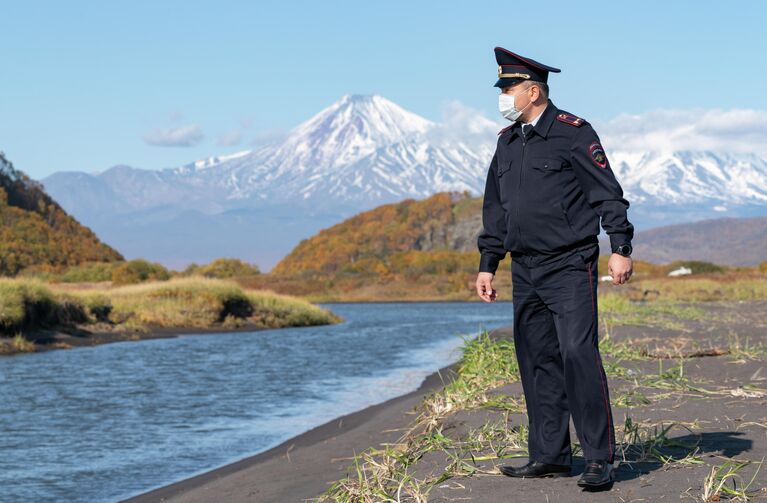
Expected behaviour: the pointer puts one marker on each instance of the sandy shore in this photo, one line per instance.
(727, 421)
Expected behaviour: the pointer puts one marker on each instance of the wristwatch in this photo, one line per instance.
(624, 249)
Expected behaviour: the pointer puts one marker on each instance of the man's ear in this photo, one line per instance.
(536, 93)
(532, 90)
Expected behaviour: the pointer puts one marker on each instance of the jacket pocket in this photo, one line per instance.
(503, 167)
(547, 164)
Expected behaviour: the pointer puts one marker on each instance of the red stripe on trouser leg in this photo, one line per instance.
(600, 369)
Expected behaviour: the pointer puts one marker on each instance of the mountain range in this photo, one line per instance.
(360, 152)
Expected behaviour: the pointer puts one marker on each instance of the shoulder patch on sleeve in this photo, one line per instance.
(570, 119)
(598, 154)
(504, 129)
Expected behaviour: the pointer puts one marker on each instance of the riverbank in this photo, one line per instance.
(73, 337)
(38, 316)
(688, 425)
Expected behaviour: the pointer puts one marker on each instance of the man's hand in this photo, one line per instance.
(485, 286)
(620, 268)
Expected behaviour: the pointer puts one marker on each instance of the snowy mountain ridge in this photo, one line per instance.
(367, 148)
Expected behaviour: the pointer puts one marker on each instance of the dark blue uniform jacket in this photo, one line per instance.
(546, 194)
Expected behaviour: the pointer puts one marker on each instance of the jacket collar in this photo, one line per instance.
(543, 125)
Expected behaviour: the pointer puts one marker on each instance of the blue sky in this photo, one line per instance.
(88, 85)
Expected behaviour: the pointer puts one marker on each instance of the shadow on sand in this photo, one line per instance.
(641, 458)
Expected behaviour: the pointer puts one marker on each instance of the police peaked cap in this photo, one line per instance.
(513, 68)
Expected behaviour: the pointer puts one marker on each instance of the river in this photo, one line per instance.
(107, 422)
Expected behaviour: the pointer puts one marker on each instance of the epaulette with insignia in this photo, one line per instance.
(570, 119)
(504, 129)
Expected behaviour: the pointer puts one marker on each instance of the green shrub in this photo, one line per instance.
(88, 272)
(98, 305)
(29, 303)
(223, 268)
(139, 271)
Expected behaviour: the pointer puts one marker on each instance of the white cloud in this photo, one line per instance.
(460, 122)
(184, 136)
(738, 130)
(229, 139)
(735, 130)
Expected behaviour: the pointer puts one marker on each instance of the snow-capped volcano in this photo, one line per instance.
(360, 148)
(348, 130)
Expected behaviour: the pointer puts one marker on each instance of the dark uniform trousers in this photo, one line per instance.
(555, 334)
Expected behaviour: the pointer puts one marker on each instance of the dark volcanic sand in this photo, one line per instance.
(732, 424)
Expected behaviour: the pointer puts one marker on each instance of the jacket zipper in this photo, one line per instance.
(519, 190)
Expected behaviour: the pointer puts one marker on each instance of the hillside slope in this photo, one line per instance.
(379, 240)
(36, 231)
(726, 241)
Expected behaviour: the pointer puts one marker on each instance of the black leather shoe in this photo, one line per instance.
(597, 475)
(536, 469)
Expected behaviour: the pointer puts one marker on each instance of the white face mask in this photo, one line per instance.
(507, 108)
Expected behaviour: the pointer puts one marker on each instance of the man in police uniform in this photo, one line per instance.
(548, 186)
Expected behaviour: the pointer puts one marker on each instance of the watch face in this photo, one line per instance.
(624, 250)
